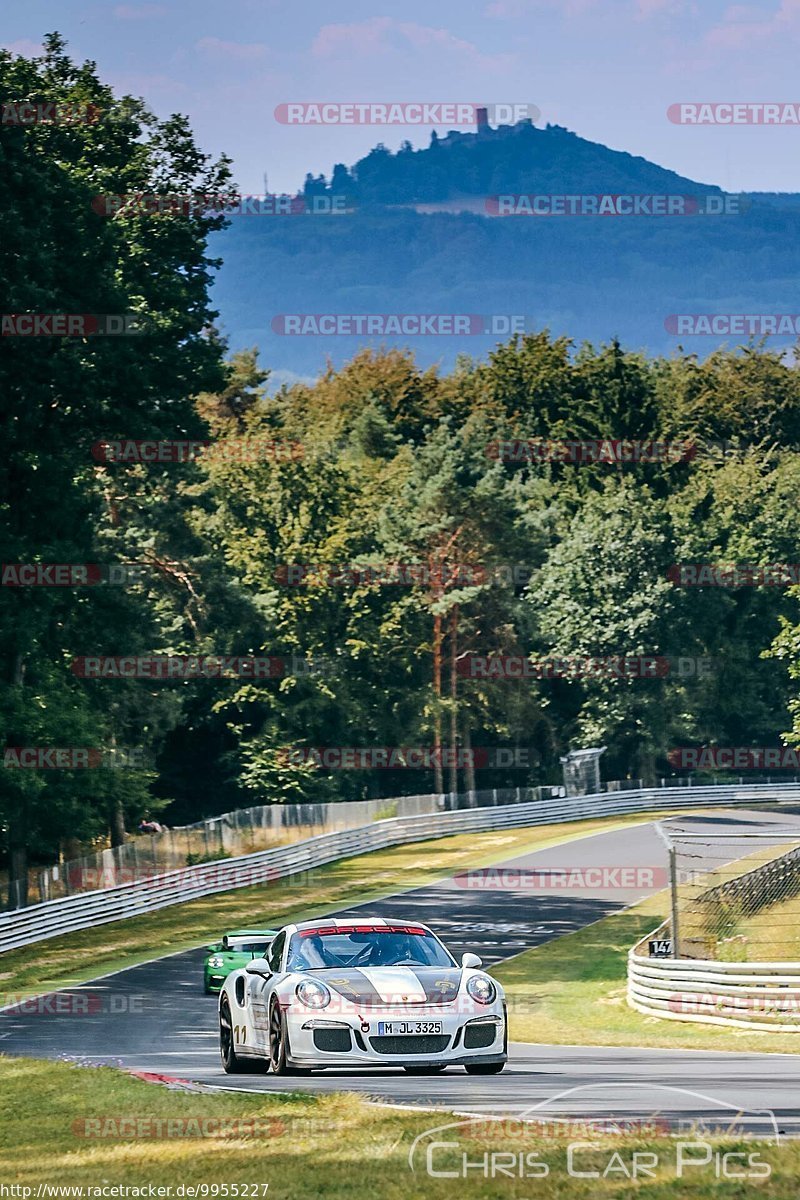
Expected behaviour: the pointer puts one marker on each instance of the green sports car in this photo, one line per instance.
(235, 950)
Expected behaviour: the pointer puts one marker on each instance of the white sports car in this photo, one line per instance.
(350, 993)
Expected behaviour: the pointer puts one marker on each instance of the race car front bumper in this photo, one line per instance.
(346, 1041)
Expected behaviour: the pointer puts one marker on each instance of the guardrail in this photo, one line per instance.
(235, 834)
(745, 995)
(749, 995)
(264, 827)
(55, 917)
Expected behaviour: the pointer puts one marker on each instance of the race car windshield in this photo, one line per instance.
(312, 951)
(247, 947)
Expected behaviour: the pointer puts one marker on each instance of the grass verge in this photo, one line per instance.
(572, 991)
(78, 957)
(302, 1148)
(772, 935)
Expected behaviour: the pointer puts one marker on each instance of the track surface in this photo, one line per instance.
(154, 1017)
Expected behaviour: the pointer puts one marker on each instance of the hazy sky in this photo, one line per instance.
(608, 69)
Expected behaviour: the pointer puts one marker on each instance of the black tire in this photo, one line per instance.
(484, 1068)
(232, 1063)
(279, 1048)
(433, 1070)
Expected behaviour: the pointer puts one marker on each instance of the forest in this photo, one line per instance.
(210, 583)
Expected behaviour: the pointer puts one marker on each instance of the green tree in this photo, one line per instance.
(62, 395)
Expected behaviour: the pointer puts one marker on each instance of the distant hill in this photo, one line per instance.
(513, 158)
(418, 241)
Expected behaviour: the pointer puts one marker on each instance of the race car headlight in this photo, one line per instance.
(216, 961)
(313, 994)
(481, 989)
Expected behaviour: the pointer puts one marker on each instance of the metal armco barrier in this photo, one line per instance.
(745, 995)
(25, 926)
(754, 995)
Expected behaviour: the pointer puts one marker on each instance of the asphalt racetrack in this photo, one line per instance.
(154, 1017)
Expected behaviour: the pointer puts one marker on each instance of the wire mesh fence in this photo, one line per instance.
(261, 827)
(735, 890)
(243, 831)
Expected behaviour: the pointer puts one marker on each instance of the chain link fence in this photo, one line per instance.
(735, 893)
(244, 831)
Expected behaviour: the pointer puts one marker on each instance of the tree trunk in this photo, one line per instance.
(117, 825)
(438, 782)
(18, 822)
(647, 767)
(469, 765)
(117, 821)
(453, 700)
(18, 874)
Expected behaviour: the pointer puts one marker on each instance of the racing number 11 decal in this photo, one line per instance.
(240, 1033)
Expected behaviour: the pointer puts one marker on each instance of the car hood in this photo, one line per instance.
(374, 987)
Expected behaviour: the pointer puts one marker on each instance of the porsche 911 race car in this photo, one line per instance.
(235, 949)
(361, 993)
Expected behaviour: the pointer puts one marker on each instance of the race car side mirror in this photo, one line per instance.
(258, 966)
(471, 960)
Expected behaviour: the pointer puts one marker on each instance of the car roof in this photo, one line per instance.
(362, 924)
(240, 933)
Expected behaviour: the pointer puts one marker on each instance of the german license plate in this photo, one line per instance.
(393, 1028)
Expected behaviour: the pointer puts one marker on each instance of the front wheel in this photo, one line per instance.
(484, 1068)
(279, 1051)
